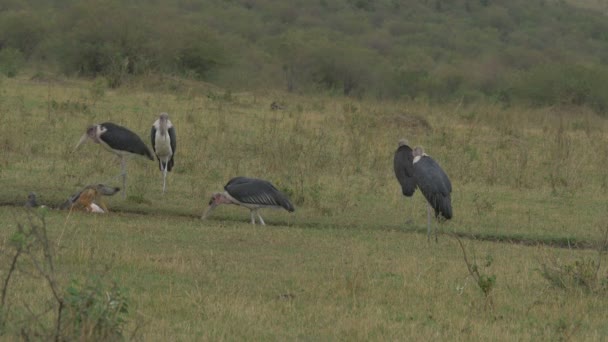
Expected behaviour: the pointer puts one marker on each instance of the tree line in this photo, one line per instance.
(539, 52)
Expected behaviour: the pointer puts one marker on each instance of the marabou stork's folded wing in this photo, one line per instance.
(153, 137)
(173, 139)
(257, 191)
(434, 183)
(122, 139)
(404, 170)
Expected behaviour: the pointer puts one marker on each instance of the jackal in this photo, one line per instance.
(90, 199)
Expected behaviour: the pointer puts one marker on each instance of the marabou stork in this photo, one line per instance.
(435, 185)
(403, 164)
(250, 193)
(119, 140)
(416, 169)
(163, 143)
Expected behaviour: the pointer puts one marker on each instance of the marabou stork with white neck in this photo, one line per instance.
(119, 140)
(163, 143)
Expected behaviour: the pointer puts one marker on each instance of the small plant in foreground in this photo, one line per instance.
(91, 312)
(485, 282)
(583, 274)
(95, 312)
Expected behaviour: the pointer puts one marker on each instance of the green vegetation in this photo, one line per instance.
(584, 274)
(345, 264)
(90, 312)
(225, 280)
(509, 97)
(516, 51)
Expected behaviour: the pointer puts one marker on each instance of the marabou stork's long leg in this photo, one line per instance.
(252, 216)
(436, 228)
(165, 177)
(123, 167)
(261, 219)
(410, 217)
(428, 229)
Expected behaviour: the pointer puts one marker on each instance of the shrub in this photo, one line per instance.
(582, 274)
(485, 281)
(90, 312)
(563, 84)
(11, 61)
(95, 311)
(22, 30)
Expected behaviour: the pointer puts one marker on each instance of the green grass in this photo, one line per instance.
(217, 280)
(345, 265)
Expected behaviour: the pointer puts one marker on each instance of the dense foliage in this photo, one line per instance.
(534, 51)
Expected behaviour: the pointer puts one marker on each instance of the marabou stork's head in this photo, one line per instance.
(402, 142)
(216, 199)
(91, 133)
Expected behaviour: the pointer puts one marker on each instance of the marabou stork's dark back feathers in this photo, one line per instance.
(121, 138)
(404, 169)
(435, 185)
(257, 191)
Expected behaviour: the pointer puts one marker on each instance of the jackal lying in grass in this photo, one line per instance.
(90, 199)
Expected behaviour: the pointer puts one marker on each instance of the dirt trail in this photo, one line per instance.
(559, 242)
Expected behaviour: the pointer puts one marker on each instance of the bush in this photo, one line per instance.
(90, 312)
(95, 311)
(485, 282)
(199, 54)
(581, 274)
(11, 61)
(22, 30)
(563, 84)
(112, 47)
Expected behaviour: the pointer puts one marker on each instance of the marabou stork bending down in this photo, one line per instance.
(119, 140)
(163, 143)
(250, 193)
(435, 185)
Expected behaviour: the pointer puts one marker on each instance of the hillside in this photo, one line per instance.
(595, 5)
(532, 52)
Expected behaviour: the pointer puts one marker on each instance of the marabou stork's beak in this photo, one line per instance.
(82, 140)
(212, 205)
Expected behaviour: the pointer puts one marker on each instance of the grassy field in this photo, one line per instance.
(345, 265)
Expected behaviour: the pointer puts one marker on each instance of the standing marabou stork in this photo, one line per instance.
(250, 193)
(119, 140)
(403, 163)
(435, 185)
(163, 143)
